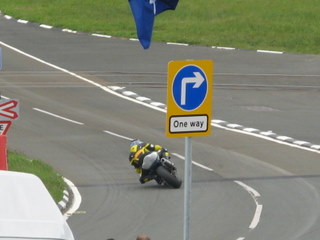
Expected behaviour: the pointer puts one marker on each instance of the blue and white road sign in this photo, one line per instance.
(190, 87)
(189, 98)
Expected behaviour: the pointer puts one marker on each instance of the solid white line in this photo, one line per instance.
(266, 137)
(195, 163)
(77, 199)
(267, 74)
(143, 103)
(255, 195)
(118, 135)
(76, 206)
(252, 191)
(57, 116)
(104, 88)
(256, 217)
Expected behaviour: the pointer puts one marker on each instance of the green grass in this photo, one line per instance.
(281, 25)
(51, 179)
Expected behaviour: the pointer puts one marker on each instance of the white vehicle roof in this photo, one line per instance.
(27, 210)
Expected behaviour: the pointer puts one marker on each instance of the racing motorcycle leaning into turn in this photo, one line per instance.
(161, 169)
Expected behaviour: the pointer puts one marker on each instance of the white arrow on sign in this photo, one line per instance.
(6, 109)
(197, 80)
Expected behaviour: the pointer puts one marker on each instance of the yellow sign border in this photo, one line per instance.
(207, 66)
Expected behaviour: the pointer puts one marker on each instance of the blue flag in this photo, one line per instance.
(144, 12)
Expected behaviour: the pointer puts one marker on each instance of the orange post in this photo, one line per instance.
(3, 153)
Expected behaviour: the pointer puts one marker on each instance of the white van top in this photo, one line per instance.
(27, 210)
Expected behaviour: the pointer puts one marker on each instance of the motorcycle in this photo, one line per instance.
(161, 169)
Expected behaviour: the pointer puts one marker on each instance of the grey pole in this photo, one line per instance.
(187, 187)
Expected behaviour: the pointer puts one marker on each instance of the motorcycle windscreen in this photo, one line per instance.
(149, 160)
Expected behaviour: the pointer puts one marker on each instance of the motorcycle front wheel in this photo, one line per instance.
(170, 179)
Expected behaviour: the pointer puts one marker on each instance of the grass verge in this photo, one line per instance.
(280, 25)
(51, 179)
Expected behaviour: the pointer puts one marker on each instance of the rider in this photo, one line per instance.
(138, 150)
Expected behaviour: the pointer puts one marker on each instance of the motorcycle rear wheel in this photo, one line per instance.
(170, 179)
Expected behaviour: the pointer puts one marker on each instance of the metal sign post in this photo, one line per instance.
(187, 187)
(189, 110)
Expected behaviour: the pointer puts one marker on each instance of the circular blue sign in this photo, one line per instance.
(189, 87)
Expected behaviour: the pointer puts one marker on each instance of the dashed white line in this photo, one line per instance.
(226, 48)
(22, 21)
(68, 30)
(46, 26)
(259, 208)
(118, 135)
(268, 51)
(177, 44)
(57, 116)
(101, 35)
(193, 162)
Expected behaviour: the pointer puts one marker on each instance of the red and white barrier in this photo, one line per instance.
(3, 153)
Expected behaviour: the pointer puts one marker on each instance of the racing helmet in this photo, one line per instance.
(135, 142)
(135, 148)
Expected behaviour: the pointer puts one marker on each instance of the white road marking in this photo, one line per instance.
(77, 199)
(101, 35)
(177, 44)
(175, 154)
(104, 88)
(268, 136)
(225, 48)
(22, 21)
(118, 135)
(195, 163)
(46, 26)
(255, 195)
(68, 30)
(268, 51)
(57, 116)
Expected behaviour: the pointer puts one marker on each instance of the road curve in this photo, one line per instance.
(257, 189)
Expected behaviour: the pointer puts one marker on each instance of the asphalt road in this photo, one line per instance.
(250, 188)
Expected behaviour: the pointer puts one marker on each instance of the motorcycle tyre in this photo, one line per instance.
(170, 179)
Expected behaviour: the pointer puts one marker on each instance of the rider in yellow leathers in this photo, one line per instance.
(138, 150)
